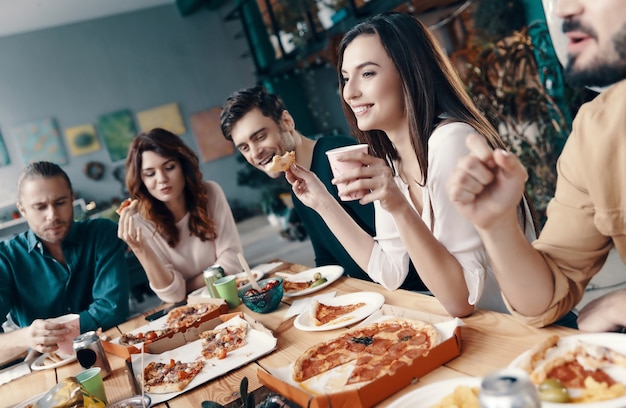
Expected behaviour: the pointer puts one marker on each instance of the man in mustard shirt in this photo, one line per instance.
(587, 215)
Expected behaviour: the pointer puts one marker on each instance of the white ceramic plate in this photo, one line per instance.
(615, 341)
(431, 394)
(41, 364)
(330, 272)
(373, 301)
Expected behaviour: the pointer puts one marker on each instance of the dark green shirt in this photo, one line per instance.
(94, 284)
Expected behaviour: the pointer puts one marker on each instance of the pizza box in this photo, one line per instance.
(369, 394)
(260, 341)
(167, 343)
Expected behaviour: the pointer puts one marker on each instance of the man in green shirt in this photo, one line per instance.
(58, 266)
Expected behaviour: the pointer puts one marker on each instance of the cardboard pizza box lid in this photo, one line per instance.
(378, 390)
(175, 340)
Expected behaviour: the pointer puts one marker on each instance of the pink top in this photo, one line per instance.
(191, 256)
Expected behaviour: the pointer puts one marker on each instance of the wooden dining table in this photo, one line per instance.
(490, 341)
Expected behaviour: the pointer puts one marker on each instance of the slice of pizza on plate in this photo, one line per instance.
(571, 362)
(173, 376)
(321, 313)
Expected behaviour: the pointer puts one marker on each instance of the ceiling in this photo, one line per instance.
(20, 16)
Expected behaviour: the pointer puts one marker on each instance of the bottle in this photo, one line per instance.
(508, 388)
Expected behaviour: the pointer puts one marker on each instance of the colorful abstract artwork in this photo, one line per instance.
(4, 153)
(208, 133)
(167, 117)
(117, 130)
(39, 140)
(82, 139)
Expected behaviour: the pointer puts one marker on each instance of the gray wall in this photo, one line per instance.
(133, 61)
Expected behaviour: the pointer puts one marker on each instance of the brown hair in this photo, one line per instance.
(431, 88)
(170, 146)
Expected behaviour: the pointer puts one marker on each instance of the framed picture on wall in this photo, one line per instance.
(208, 133)
(39, 140)
(82, 139)
(4, 153)
(117, 130)
(167, 117)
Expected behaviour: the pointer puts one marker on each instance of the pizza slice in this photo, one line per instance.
(282, 163)
(321, 313)
(124, 204)
(571, 362)
(291, 286)
(185, 316)
(129, 339)
(218, 343)
(174, 376)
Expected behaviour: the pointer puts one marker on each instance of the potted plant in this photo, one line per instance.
(499, 65)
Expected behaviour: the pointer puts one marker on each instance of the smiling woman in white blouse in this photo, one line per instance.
(402, 97)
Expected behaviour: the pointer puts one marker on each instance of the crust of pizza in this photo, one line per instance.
(379, 349)
(162, 378)
(570, 362)
(282, 163)
(218, 342)
(321, 313)
(186, 316)
(291, 286)
(123, 205)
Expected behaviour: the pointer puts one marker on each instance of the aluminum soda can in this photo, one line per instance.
(90, 353)
(211, 274)
(508, 388)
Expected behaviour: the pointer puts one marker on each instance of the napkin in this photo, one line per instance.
(301, 305)
(14, 372)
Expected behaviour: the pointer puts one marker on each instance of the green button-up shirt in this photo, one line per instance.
(94, 284)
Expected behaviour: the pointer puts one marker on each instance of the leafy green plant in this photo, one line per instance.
(246, 400)
(502, 76)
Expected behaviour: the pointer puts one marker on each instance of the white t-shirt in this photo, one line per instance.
(389, 261)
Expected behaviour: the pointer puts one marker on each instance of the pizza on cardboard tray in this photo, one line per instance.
(179, 318)
(217, 343)
(572, 363)
(163, 378)
(378, 349)
(321, 313)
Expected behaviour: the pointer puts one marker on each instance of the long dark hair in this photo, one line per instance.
(430, 85)
(170, 146)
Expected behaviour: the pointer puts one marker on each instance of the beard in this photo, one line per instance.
(603, 72)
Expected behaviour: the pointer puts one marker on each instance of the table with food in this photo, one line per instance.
(313, 337)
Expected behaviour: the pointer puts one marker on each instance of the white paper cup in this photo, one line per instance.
(71, 322)
(338, 167)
